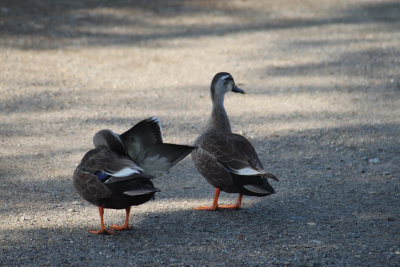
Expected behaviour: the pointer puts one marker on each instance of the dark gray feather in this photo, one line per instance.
(140, 137)
(142, 191)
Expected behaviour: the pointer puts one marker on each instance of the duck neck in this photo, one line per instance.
(219, 119)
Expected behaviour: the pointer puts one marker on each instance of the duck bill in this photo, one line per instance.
(238, 90)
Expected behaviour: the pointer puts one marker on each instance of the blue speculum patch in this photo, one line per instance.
(102, 176)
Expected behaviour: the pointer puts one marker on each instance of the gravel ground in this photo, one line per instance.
(322, 110)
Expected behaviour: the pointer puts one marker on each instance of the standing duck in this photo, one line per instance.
(116, 174)
(228, 161)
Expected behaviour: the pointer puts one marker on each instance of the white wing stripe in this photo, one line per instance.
(247, 171)
(124, 172)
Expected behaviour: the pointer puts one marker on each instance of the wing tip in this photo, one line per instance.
(154, 119)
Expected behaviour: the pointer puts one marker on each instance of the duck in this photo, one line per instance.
(117, 173)
(228, 161)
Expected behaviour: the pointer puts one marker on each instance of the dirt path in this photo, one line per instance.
(322, 110)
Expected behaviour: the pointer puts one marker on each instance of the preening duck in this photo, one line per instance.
(226, 160)
(117, 173)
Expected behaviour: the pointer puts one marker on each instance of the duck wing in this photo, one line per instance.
(104, 160)
(211, 168)
(235, 153)
(159, 158)
(144, 145)
(142, 136)
(90, 187)
(99, 167)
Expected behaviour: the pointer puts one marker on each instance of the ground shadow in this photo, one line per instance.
(43, 24)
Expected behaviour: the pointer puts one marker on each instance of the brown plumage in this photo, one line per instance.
(228, 161)
(116, 174)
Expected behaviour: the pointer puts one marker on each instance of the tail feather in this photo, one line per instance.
(270, 175)
(141, 191)
(262, 190)
(254, 185)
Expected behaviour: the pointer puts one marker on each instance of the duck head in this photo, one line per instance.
(223, 83)
(109, 139)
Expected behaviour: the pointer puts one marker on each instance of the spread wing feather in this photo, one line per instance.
(159, 158)
(142, 136)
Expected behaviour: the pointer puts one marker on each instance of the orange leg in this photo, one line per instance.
(215, 202)
(126, 225)
(235, 206)
(103, 229)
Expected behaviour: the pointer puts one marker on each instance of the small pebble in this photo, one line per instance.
(25, 218)
(317, 242)
(374, 161)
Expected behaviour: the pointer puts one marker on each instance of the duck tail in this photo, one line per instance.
(270, 175)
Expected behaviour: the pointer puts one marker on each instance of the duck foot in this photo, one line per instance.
(206, 208)
(103, 229)
(126, 225)
(230, 207)
(215, 205)
(236, 206)
(215, 202)
(120, 227)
